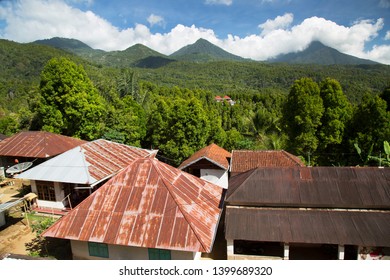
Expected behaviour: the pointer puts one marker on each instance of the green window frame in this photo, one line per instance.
(98, 250)
(159, 254)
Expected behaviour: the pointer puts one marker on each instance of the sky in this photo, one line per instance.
(256, 29)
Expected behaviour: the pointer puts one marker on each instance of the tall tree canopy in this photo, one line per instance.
(302, 116)
(70, 104)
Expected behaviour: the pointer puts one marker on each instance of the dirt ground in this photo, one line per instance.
(16, 233)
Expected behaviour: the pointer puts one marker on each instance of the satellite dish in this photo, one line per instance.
(20, 167)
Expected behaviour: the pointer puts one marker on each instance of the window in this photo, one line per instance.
(98, 249)
(159, 254)
(46, 190)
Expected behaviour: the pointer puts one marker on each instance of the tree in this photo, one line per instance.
(70, 104)
(127, 122)
(302, 114)
(371, 124)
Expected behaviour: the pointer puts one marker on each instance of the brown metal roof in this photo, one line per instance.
(148, 204)
(37, 144)
(244, 160)
(212, 153)
(364, 228)
(329, 187)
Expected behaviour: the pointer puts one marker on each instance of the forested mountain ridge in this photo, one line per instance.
(318, 53)
(204, 51)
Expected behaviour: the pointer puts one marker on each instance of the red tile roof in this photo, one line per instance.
(244, 160)
(212, 153)
(37, 144)
(148, 204)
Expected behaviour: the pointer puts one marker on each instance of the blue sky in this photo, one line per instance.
(257, 29)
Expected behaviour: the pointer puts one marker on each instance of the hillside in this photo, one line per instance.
(318, 53)
(204, 51)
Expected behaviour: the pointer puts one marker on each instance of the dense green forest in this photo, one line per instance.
(328, 115)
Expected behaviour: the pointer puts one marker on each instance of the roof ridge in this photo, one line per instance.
(292, 157)
(184, 213)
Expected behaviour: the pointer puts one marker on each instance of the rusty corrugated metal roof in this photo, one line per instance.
(364, 228)
(37, 144)
(213, 153)
(148, 204)
(244, 160)
(334, 187)
(89, 163)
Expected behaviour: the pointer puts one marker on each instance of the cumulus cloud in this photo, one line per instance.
(219, 2)
(31, 20)
(156, 20)
(280, 22)
(387, 37)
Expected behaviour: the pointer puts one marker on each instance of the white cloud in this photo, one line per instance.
(219, 2)
(387, 36)
(30, 20)
(156, 20)
(280, 22)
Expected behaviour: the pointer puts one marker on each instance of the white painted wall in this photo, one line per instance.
(216, 176)
(58, 204)
(116, 252)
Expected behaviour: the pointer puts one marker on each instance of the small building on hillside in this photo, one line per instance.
(34, 146)
(210, 163)
(244, 160)
(309, 213)
(148, 211)
(67, 179)
(225, 99)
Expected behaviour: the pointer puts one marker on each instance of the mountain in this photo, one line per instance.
(203, 51)
(318, 53)
(137, 55)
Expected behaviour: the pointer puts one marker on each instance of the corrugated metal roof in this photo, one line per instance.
(212, 153)
(369, 228)
(148, 204)
(244, 160)
(89, 163)
(334, 187)
(37, 144)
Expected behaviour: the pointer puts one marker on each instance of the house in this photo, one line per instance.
(309, 213)
(34, 146)
(65, 180)
(225, 98)
(150, 210)
(244, 160)
(210, 163)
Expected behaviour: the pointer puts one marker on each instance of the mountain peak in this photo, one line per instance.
(203, 50)
(318, 53)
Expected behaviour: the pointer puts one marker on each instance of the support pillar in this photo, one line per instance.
(286, 250)
(230, 249)
(341, 252)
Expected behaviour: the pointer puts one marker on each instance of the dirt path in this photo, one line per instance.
(16, 233)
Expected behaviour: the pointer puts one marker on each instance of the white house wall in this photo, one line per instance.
(116, 252)
(216, 176)
(59, 193)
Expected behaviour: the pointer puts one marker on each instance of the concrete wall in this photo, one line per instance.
(216, 176)
(116, 252)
